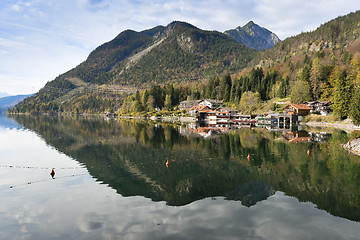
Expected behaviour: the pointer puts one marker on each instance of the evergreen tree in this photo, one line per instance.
(150, 103)
(355, 107)
(167, 103)
(342, 93)
(225, 87)
(315, 79)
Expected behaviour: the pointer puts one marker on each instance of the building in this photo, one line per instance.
(322, 107)
(186, 105)
(219, 117)
(211, 103)
(297, 109)
(195, 109)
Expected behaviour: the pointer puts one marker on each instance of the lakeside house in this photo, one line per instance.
(211, 103)
(297, 109)
(322, 107)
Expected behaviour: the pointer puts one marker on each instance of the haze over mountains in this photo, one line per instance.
(181, 52)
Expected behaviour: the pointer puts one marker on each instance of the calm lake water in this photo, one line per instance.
(111, 181)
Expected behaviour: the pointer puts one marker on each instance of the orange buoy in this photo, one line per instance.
(167, 163)
(308, 152)
(248, 157)
(52, 173)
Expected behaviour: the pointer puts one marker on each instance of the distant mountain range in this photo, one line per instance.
(11, 101)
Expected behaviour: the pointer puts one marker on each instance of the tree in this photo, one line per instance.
(342, 93)
(315, 79)
(355, 107)
(136, 106)
(167, 103)
(303, 74)
(249, 102)
(150, 103)
(225, 87)
(284, 88)
(300, 92)
(355, 63)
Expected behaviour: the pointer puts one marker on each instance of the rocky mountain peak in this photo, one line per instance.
(254, 36)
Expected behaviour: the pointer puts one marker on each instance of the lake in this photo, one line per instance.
(112, 181)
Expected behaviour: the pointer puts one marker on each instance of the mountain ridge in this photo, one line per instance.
(254, 36)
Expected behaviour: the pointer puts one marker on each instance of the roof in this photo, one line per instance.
(213, 101)
(299, 106)
(317, 102)
(190, 101)
(199, 108)
(228, 109)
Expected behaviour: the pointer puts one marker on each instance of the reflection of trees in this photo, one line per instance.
(249, 139)
(130, 156)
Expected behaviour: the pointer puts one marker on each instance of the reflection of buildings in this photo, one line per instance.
(297, 137)
(205, 131)
(291, 133)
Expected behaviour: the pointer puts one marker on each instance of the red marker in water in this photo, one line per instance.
(52, 173)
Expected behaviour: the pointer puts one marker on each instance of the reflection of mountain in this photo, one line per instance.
(250, 193)
(130, 157)
(6, 122)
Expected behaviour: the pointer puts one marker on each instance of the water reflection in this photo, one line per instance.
(130, 157)
(8, 123)
(291, 133)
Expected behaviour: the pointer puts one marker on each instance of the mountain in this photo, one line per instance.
(11, 101)
(172, 53)
(176, 53)
(3, 94)
(254, 36)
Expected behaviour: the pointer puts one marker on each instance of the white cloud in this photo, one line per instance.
(16, 8)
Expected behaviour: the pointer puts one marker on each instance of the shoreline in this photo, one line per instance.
(344, 126)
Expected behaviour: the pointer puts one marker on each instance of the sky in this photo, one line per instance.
(41, 39)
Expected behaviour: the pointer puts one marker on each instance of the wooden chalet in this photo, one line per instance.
(297, 109)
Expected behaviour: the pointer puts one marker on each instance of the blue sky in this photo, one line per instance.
(41, 39)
